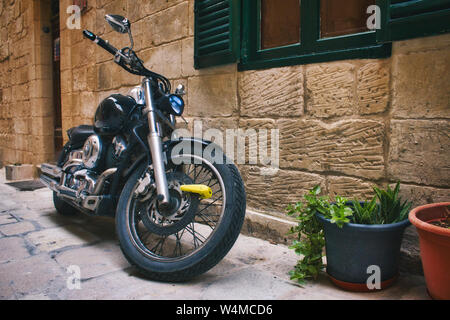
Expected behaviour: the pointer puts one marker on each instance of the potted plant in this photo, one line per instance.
(362, 239)
(433, 225)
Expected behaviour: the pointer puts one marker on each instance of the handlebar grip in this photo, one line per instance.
(89, 35)
(102, 43)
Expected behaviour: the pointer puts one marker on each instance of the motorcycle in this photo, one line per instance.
(178, 210)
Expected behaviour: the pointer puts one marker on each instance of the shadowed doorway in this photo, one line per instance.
(56, 77)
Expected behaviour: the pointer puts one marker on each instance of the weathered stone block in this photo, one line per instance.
(19, 172)
(350, 188)
(274, 92)
(267, 227)
(259, 145)
(418, 152)
(421, 44)
(330, 89)
(420, 195)
(420, 85)
(165, 59)
(22, 126)
(79, 79)
(166, 26)
(212, 95)
(373, 88)
(187, 62)
(272, 193)
(104, 77)
(42, 126)
(353, 147)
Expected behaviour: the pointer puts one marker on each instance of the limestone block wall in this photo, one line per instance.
(26, 105)
(346, 125)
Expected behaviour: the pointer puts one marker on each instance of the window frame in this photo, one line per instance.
(311, 48)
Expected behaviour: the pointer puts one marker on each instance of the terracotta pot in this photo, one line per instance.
(434, 248)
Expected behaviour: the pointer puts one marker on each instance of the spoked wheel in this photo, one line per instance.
(193, 235)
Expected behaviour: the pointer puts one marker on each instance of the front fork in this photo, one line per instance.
(155, 143)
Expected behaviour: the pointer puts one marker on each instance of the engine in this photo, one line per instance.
(87, 169)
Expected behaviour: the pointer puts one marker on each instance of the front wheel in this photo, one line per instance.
(184, 242)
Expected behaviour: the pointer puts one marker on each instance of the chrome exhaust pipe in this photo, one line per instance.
(52, 175)
(61, 190)
(51, 170)
(49, 182)
(101, 180)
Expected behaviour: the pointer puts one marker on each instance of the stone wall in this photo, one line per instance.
(26, 92)
(346, 125)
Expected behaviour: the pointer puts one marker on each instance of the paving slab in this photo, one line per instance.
(6, 218)
(13, 248)
(94, 261)
(33, 275)
(17, 228)
(58, 238)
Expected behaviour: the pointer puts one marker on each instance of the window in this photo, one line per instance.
(274, 33)
(324, 30)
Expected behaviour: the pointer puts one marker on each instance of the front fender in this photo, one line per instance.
(168, 145)
(203, 148)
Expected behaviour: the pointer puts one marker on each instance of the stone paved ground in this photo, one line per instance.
(37, 246)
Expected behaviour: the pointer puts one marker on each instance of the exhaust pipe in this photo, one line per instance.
(52, 175)
(62, 191)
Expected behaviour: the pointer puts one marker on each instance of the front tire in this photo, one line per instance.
(172, 264)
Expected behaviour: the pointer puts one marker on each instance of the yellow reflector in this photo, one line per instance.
(202, 190)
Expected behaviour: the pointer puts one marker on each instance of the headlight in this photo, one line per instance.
(172, 104)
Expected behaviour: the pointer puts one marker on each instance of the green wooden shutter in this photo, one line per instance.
(406, 19)
(217, 32)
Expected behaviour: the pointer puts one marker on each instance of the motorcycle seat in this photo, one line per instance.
(78, 135)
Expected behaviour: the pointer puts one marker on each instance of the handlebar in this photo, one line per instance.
(127, 59)
(102, 43)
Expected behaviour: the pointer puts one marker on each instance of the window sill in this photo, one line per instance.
(370, 52)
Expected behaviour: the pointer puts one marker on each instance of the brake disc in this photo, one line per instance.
(167, 221)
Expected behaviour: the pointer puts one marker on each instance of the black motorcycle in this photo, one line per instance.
(179, 203)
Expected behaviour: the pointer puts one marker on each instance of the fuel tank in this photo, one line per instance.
(112, 114)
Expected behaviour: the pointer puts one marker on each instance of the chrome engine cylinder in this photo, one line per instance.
(92, 150)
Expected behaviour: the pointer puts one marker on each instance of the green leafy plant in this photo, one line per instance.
(310, 236)
(392, 209)
(367, 213)
(339, 212)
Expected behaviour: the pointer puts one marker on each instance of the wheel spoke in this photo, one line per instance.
(169, 242)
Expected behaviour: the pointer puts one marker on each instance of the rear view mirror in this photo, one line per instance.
(118, 23)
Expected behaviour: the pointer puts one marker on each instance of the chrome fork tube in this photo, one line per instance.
(155, 143)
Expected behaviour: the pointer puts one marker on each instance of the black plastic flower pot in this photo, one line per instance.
(363, 257)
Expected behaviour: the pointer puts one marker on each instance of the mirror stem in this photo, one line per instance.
(131, 38)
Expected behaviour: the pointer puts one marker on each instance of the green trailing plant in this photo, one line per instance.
(310, 237)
